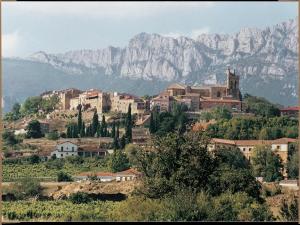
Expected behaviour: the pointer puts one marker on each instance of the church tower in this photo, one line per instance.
(233, 82)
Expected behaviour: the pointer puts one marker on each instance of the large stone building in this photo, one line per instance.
(64, 96)
(198, 98)
(94, 99)
(120, 103)
(279, 146)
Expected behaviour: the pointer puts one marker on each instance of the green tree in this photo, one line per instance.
(62, 176)
(266, 163)
(82, 130)
(152, 124)
(26, 187)
(293, 166)
(289, 210)
(118, 161)
(80, 198)
(221, 113)
(79, 119)
(128, 127)
(175, 161)
(54, 135)
(31, 105)
(34, 159)
(16, 111)
(95, 123)
(34, 129)
(122, 142)
(9, 138)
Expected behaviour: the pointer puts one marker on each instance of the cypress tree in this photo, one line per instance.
(95, 124)
(103, 130)
(152, 125)
(123, 142)
(128, 126)
(79, 121)
(82, 130)
(113, 130)
(118, 132)
(69, 133)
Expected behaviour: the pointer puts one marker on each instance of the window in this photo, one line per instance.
(72, 149)
(67, 153)
(250, 149)
(278, 146)
(218, 94)
(62, 155)
(244, 149)
(61, 148)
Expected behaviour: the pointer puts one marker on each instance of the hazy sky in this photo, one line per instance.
(57, 27)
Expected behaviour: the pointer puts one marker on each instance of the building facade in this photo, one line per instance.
(65, 149)
(198, 98)
(279, 146)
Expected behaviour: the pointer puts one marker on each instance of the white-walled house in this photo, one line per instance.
(65, 149)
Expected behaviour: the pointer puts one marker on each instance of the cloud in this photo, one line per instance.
(173, 34)
(10, 44)
(103, 9)
(193, 34)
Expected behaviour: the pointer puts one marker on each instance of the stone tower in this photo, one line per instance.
(233, 82)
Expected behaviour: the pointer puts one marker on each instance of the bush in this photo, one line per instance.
(53, 135)
(77, 160)
(55, 164)
(62, 176)
(26, 187)
(79, 198)
(34, 159)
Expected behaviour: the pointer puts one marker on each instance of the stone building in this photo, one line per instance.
(94, 99)
(120, 103)
(65, 96)
(163, 102)
(279, 146)
(197, 98)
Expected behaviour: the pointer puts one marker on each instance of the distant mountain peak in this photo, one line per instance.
(260, 57)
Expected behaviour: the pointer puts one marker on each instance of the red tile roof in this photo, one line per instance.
(293, 108)
(253, 142)
(98, 174)
(130, 171)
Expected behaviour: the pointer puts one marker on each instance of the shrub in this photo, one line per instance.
(53, 135)
(26, 187)
(62, 176)
(79, 198)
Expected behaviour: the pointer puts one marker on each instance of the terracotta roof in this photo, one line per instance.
(284, 140)
(253, 142)
(294, 108)
(223, 141)
(98, 174)
(130, 171)
(218, 100)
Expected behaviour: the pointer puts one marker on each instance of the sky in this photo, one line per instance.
(57, 27)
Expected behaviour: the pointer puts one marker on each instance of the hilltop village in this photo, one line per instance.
(109, 137)
(195, 100)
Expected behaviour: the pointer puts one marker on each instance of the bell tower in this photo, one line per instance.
(233, 84)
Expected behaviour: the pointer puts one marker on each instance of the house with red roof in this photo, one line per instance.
(290, 111)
